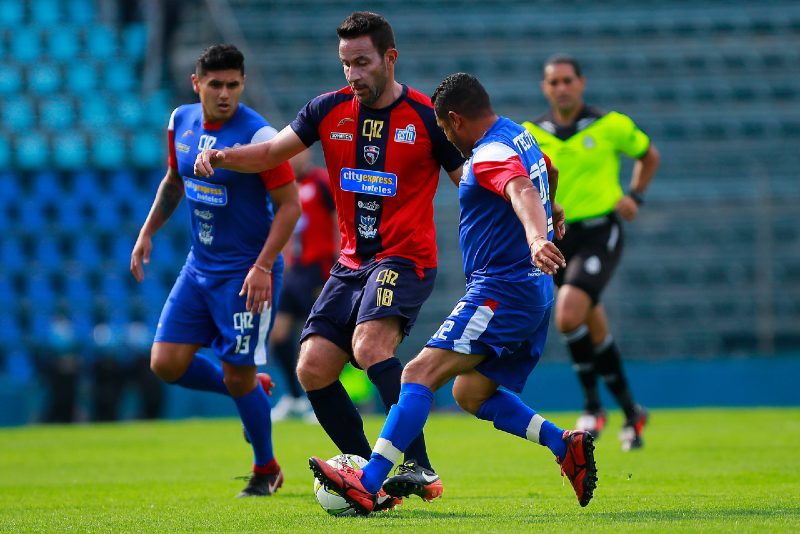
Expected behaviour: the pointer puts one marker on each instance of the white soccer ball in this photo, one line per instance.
(332, 502)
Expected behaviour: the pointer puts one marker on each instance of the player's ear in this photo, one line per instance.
(195, 83)
(391, 56)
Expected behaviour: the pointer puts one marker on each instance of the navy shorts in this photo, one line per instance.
(511, 336)
(208, 310)
(302, 284)
(592, 249)
(390, 288)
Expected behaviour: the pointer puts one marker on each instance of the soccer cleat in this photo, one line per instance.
(578, 464)
(346, 481)
(266, 382)
(631, 433)
(410, 478)
(260, 485)
(592, 422)
(384, 501)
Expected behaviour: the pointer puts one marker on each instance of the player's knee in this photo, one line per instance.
(164, 368)
(238, 384)
(467, 402)
(314, 375)
(567, 320)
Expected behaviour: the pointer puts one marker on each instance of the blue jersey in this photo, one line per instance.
(497, 258)
(231, 213)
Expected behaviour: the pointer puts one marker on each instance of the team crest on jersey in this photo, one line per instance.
(207, 142)
(206, 234)
(588, 142)
(366, 228)
(203, 214)
(406, 135)
(369, 206)
(372, 153)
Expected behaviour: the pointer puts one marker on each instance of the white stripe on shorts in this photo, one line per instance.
(475, 327)
(260, 355)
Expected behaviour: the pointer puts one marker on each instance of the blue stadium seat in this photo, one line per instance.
(114, 288)
(150, 149)
(120, 77)
(40, 293)
(56, 113)
(85, 184)
(69, 214)
(11, 80)
(70, 152)
(45, 12)
(81, 77)
(80, 11)
(134, 41)
(32, 151)
(32, 216)
(129, 110)
(25, 46)
(18, 114)
(95, 113)
(46, 186)
(14, 258)
(108, 150)
(87, 254)
(107, 214)
(47, 253)
(44, 78)
(8, 297)
(77, 290)
(101, 42)
(124, 184)
(64, 44)
(12, 13)
(5, 153)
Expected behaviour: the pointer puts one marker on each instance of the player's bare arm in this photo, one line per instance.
(258, 282)
(168, 196)
(527, 204)
(455, 175)
(253, 158)
(643, 171)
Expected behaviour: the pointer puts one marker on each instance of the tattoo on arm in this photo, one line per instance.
(169, 196)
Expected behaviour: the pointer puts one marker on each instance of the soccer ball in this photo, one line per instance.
(332, 502)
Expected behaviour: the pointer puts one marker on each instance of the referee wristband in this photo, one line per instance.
(260, 268)
(637, 197)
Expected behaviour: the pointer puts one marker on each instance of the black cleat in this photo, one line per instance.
(410, 478)
(260, 485)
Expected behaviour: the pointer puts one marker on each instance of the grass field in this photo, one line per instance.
(701, 471)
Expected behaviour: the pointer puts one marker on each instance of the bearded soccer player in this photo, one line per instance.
(383, 151)
(495, 334)
(585, 143)
(226, 292)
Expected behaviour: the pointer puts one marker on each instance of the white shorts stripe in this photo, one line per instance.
(475, 327)
(532, 433)
(385, 448)
(260, 354)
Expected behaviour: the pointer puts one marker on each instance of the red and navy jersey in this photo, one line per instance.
(384, 170)
(230, 212)
(497, 257)
(314, 239)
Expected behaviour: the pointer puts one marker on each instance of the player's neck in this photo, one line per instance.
(567, 117)
(393, 91)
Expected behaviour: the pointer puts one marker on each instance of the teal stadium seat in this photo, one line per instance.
(12, 13)
(80, 11)
(32, 151)
(134, 41)
(46, 12)
(80, 77)
(25, 46)
(70, 152)
(150, 149)
(129, 110)
(11, 80)
(95, 113)
(108, 150)
(56, 113)
(5, 155)
(44, 78)
(119, 77)
(63, 43)
(101, 42)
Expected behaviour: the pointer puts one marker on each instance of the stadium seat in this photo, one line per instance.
(44, 78)
(45, 12)
(101, 42)
(64, 44)
(11, 80)
(107, 214)
(80, 11)
(14, 258)
(12, 13)
(120, 77)
(134, 41)
(25, 47)
(129, 110)
(85, 184)
(46, 186)
(149, 148)
(69, 151)
(81, 77)
(69, 214)
(56, 113)
(86, 253)
(18, 114)
(5, 153)
(108, 150)
(32, 151)
(95, 114)
(48, 253)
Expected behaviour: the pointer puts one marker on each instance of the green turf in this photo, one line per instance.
(702, 470)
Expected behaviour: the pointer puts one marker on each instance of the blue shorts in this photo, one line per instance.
(391, 288)
(208, 310)
(512, 337)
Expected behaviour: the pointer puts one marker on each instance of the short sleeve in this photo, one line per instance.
(494, 165)
(280, 175)
(628, 138)
(172, 157)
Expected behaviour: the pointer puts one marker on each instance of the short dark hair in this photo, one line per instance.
(563, 59)
(362, 23)
(220, 57)
(462, 93)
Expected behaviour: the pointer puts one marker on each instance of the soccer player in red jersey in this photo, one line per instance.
(383, 151)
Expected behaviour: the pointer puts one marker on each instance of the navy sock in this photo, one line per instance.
(286, 354)
(581, 349)
(254, 410)
(609, 365)
(203, 375)
(339, 417)
(404, 422)
(386, 377)
(510, 414)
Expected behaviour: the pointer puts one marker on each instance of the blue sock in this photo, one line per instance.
(254, 410)
(203, 375)
(510, 414)
(404, 423)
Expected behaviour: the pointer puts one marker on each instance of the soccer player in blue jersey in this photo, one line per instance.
(495, 334)
(226, 292)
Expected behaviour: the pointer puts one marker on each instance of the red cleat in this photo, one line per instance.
(266, 382)
(578, 464)
(346, 481)
(631, 434)
(384, 501)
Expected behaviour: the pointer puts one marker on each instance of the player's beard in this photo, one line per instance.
(375, 90)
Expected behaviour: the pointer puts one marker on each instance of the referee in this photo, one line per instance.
(585, 145)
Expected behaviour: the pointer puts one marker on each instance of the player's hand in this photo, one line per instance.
(559, 220)
(546, 256)
(206, 160)
(258, 288)
(140, 256)
(627, 208)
